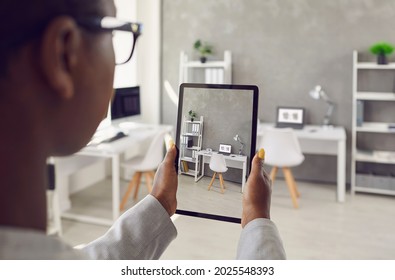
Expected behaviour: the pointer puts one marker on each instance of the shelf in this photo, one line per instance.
(191, 172)
(364, 179)
(188, 159)
(374, 66)
(375, 156)
(195, 148)
(190, 145)
(378, 127)
(208, 64)
(376, 96)
(374, 190)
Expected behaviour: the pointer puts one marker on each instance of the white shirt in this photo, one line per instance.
(142, 232)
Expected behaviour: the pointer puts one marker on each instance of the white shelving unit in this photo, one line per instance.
(190, 131)
(215, 72)
(361, 182)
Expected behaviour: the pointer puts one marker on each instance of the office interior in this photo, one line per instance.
(287, 48)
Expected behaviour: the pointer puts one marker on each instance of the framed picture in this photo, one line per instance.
(290, 117)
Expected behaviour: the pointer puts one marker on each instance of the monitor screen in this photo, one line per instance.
(126, 102)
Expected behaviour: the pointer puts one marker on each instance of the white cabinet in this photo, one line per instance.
(212, 72)
(190, 143)
(365, 160)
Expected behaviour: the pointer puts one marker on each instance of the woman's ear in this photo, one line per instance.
(59, 49)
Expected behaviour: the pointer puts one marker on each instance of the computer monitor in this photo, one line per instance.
(126, 102)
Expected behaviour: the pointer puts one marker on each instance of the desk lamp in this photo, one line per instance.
(318, 93)
(237, 138)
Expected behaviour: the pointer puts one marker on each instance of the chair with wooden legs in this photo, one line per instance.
(283, 151)
(144, 165)
(218, 165)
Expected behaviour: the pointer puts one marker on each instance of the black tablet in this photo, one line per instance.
(211, 182)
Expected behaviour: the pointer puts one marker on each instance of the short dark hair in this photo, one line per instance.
(23, 20)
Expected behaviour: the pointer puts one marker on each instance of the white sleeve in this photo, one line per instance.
(260, 240)
(142, 232)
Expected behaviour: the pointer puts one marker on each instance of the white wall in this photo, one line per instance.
(149, 59)
(126, 74)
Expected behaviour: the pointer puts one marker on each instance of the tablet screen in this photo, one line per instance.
(216, 137)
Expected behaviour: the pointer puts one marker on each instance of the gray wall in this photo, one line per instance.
(285, 47)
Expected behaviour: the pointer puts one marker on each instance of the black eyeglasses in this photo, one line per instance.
(124, 37)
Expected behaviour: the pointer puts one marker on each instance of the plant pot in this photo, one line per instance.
(381, 59)
(203, 59)
(192, 119)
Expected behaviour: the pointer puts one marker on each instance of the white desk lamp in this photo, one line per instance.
(318, 93)
(237, 138)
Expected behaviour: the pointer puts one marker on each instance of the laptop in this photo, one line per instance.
(225, 149)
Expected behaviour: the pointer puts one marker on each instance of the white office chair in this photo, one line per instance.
(283, 150)
(144, 165)
(218, 165)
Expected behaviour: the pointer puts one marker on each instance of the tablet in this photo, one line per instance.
(210, 183)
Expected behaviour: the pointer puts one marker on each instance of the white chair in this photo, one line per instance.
(218, 165)
(144, 165)
(283, 150)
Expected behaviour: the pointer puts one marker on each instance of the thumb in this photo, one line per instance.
(171, 154)
(257, 162)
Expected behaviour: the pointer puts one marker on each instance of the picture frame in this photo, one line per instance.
(293, 117)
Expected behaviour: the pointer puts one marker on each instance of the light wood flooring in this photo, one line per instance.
(361, 228)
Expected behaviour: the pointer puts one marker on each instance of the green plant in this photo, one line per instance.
(382, 48)
(203, 48)
(192, 114)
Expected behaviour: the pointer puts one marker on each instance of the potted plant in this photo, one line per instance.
(204, 49)
(192, 115)
(382, 49)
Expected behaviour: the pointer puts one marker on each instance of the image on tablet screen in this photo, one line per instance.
(216, 136)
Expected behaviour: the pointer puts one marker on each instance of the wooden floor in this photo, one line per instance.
(361, 228)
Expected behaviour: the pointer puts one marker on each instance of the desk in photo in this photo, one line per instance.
(234, 161)
(113, 150)
(318, 140)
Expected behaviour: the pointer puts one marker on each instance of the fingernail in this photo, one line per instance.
(171, 143)
(261, 154)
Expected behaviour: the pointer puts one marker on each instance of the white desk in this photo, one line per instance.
(315, 139)
(235, 161)
(135, 140)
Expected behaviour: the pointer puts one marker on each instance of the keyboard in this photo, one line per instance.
(117, 136)
(107, 136)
